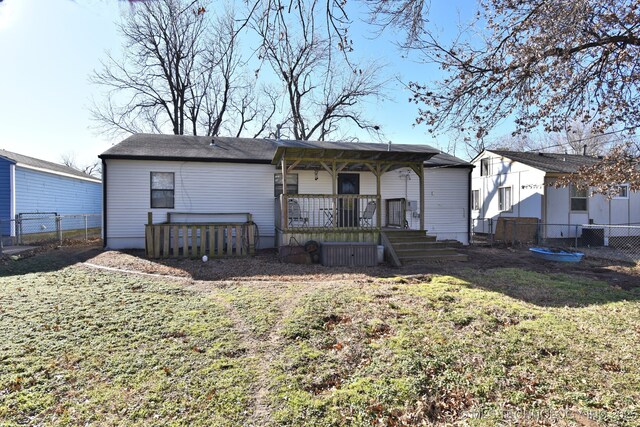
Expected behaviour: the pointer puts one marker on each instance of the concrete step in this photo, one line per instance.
(425, 259)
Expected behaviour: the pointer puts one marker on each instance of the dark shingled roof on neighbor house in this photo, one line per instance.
(20, 159)
(248, 150)
(446, 160)
(549, 162)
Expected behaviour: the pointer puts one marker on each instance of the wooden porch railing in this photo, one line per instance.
(195, 240)
(325, 211)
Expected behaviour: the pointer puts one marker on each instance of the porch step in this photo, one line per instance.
(409, 253)
(404, 238)
(413, 247)
(424, 259)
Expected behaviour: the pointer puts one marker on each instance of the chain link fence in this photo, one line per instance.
(615, 242)
(32, 229)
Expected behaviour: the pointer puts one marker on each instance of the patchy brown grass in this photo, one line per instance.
(474, 343)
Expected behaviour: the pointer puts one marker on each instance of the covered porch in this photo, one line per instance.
(343, 210)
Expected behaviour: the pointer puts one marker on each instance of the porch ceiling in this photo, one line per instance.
(353, 158)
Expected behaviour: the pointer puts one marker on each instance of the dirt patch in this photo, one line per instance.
(266, 267)
(616, 273)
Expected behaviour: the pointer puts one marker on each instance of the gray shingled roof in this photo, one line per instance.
(549, 162)
(156, 146)
(446, 160)
(21, 159)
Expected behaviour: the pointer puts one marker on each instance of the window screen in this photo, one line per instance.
(578, 199)
(292, 184)
(504, 199)
(162, 189)
(475, 200)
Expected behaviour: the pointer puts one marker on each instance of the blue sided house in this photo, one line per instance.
(32, 186)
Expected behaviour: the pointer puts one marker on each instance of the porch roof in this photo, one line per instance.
(355, 155)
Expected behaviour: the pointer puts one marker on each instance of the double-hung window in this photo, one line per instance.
(162, 189)
(485, 167)
(504, 199)
(622, 192)
(292, 184)
(475, 200)
(578, 198)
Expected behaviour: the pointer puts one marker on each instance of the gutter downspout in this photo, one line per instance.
(104, 204)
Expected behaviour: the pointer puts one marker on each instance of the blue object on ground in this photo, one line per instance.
(552, 254)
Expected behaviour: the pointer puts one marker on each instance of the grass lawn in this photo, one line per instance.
(505, 345)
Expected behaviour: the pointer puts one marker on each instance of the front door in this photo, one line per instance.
(348, 183)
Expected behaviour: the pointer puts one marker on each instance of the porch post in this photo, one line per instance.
(334, 185)
(420, 167)
(283, 199)
(378, 196)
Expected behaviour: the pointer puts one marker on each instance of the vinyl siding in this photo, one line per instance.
(527, 188)
(5, 195)
(447, 203)
(236, 188)
(199, 187)
(43, 192)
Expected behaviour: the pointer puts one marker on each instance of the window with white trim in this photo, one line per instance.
(504, 199)
(622, 192)
(292, 184)
(578, 199)
(485, 167)
(475, 200)
(162, 189)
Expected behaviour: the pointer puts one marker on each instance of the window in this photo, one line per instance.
(578, 199)
(292, 184)
(485, 167)
(622, 192)
(162, 189)
(475, 200)
(504, 199)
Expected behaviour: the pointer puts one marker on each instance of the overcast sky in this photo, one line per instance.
(48, 49)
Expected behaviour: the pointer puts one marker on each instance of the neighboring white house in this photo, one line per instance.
(520, 184)
(213, 175)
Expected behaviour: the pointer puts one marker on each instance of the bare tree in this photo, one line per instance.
(322, 91)
(93, 169)
(578, 138)
(547, 63)
(181, 72)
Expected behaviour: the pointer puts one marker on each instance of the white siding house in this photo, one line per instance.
(512, 184)
(239, 176)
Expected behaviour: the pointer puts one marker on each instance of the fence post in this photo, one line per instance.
(59, 227)
(576, 238)
(18, 230)
(491, 232)
(86, 230)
